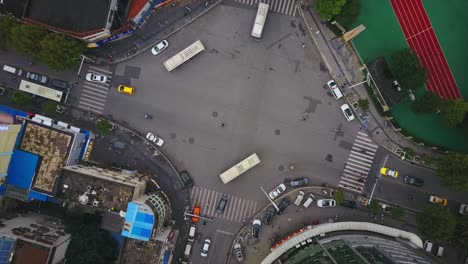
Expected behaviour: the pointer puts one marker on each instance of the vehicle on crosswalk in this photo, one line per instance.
(153, 138)
(256, 226)
(92, 77)
(205, 247)
(309, 200)
(277, 191)
(285, 202)
(158, 48)
(196, 212)
(413, 181)
(37, 77)
(347, 112)
(326, 203)
(438, 200)
(222, 204)
(260, 20)
(334, 89)
(126, 89)
(268, 216)
(388, 172)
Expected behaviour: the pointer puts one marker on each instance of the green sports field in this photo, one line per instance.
(383, 36)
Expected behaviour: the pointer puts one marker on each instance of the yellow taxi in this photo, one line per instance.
(438, 200)
(126, 89)
(389, 172)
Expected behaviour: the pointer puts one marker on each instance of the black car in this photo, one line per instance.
(60, 84)
(413, 181)
(222, 204)
(298, 182)
(349, 204)
(268, 216)
(285, 202)
(256, 225)
(187, 179)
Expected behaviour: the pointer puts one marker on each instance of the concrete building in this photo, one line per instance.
(33, 238)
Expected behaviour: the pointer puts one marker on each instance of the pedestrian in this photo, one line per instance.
(317, 32)
(303, 45)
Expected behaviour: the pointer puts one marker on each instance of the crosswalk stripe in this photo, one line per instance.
(360, 162)
(366, 160)
(356, 166)
(362, 133)
(90, 104)
(93, 98)
(287, 7)
(364, 138)
(365, 148)
(240, 209)
(233, 209)
(350, 189)
(362, 155)
(350, 172)
(99, 69)
(351, 182)
(213, 203)
(348, 176)
(98, 89)
(245, 209)
(366, 143)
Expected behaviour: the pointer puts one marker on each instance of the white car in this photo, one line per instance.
(159, 47)
(347, 112)
(157, 140)
(277, 191)
(326, 203)
(334, 89)
(96, 78)
(206, 247)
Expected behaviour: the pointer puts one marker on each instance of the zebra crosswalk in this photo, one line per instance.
(359, 163)
(93, 94)
(287, 7)
(237, 209)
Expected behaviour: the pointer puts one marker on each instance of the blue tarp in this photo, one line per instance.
(22, 168)
(139, 222)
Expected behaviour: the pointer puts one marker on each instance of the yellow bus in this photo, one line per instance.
(260, 19)
(183, 56)
(239, 168)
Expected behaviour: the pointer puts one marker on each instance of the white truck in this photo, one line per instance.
(463, 209)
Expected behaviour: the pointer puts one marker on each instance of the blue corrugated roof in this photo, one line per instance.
(139, 221)
(22, 168)
(6, 246)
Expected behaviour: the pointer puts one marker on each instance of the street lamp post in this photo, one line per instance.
(366, 80)
(271, 201)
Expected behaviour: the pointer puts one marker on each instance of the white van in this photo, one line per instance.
(299, 198)
(428, 246)
(440, 251)
(12, 70)
(334, 89)
(188, 249)
(309, 200)
(191, 233)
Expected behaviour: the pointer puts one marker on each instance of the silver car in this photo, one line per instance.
(37, 77)
(155, 139)
(159, 47)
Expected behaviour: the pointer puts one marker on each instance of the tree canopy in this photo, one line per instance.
(429, 103)
(7, 23)
(89, 243)
(408, 69)
(461, 232)
(329, 8)
(60, 52)
(349, 13)
(453, 169)
(436, 223)
(26, 39)
(454, 112)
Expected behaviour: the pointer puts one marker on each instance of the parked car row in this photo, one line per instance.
(36, 77)
(337, 94)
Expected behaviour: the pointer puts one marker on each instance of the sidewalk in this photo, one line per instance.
(165, 21)
(345, 67)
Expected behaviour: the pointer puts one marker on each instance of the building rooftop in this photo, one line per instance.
(108, 194)
(137, 252)
(52, 145)
(70, 15)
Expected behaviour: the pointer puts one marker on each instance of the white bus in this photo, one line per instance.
(183, 56)
(40, 90)
(260, 19)
(240, 168)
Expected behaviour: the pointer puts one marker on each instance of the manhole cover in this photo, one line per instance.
(277, 132)
(329, 158)
(214, 114)
(173, 135)
(281, 168)
(191, 140)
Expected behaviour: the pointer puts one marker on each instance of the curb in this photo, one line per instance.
(143, 49)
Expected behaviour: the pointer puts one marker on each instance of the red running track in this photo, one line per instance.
(422, 39)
